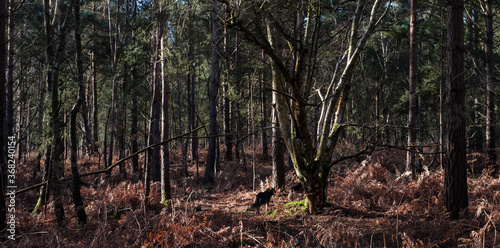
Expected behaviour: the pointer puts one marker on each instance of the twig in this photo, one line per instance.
(252, 237)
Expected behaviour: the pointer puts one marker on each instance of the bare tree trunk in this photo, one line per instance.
(442, 99)
(115, 112)
(238, 145)
(192, 108)
(10, 72)
(278, 149)
(412, 115)
(134, 111)
(228, 142)
(41, 103)
(165, 170)
(134, 134)
(54, 58)
(277, 140)
(455, 181)
(180, 107)
(265, 151)
(209, 178)
(3, 137)
(95, 105)
(155, 135)
(77, 198)
(490, 92)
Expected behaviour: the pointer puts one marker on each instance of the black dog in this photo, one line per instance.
(295, 188)
(262, 198)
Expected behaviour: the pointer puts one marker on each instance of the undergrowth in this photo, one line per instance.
(370, 205)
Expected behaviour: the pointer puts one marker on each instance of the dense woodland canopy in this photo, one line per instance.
(147, 109)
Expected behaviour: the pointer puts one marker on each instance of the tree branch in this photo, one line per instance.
(111, 166)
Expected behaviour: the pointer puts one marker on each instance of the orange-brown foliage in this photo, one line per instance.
(370, 205)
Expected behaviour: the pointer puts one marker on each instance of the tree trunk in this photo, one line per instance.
(95, 105)
(278, 179)
(442, 96)
(228, 138)
(3, 138)
(54, 58)
(412, 115)
(77, 198)
(115, 112)
(278, 151)
(490, 93)
(165, 170)
(10, 72)
(209, 178)
(192, 108)
(154, 130)
(134, 135)
(315, 186)
(41, 115)
(263, 138)
(455, 181)
(238, 85)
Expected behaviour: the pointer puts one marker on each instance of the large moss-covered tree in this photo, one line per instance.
(301, 24)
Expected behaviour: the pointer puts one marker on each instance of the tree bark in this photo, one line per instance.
(412, 115)
(192, 108)
(165, 170)
(54, 58)
(3, 138)
(278, 169)
(154, 130)
(95, 105)
(238, 146)
(263, 138)
(228, 138)
(455, 181)
(77, 198)
(209, 178)
(41, 115)
(134, 130)
(10, 71)
(490, 93)
(278, 180)
(134, 135)
(115, 111)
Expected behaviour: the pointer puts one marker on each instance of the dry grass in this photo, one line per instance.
(369, 206)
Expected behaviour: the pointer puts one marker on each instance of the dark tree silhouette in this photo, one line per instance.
(455, 181)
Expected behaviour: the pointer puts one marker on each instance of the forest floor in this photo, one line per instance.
(369, 205)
